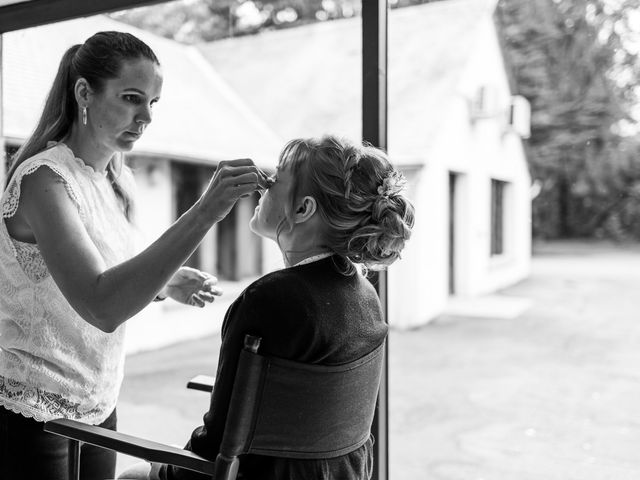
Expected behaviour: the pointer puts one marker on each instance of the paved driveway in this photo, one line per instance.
(552, 394)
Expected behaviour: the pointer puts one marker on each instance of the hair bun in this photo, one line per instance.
(379, 243)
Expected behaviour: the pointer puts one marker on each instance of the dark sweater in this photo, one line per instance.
(310, 313)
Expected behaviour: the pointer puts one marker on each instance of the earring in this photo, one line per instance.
(84, 115)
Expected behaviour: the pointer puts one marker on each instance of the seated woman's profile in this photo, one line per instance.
(334, 209)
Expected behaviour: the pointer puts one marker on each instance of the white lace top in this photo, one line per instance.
(52, 362)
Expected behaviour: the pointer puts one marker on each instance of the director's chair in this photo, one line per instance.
(278, 408)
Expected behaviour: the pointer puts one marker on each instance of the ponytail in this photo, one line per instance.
(57, 116)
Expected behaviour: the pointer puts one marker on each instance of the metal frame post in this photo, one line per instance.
(3, 153)
(374, 131)
(74, 459)
(40, 12)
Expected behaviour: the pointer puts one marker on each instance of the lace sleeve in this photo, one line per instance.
(11, 197)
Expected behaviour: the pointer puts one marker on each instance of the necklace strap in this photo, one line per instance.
(313, 258)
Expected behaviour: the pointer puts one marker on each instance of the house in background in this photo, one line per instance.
(454, 128)
(198, 121)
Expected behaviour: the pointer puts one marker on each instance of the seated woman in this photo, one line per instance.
(334, 206)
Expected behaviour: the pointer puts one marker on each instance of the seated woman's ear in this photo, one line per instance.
(305, 209)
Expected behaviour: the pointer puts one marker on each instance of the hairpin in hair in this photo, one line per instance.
(392, 184)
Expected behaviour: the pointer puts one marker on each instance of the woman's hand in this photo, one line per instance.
(232, 180)
(192, 287)
(108, 296)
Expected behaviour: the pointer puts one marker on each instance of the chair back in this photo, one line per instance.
(290, 409)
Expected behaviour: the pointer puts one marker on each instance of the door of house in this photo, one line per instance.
(227, 251)
(239, 251)
(186, 186)
(453, 179)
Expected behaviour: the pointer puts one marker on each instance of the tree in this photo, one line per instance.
(576, 63)
(194, 21)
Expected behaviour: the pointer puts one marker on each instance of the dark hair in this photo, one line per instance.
(98, 59)
(359, 196)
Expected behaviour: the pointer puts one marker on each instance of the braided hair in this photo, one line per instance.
(359, 197)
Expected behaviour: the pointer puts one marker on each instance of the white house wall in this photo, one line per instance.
(417, 286)
(154, 204)
(478, 152)
(496, 153)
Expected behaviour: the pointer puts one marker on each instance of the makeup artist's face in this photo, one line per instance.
(119, 114)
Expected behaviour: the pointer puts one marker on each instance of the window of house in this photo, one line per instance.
(497, 217)
(10, 151)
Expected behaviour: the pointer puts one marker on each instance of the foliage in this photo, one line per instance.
(194, 21)
(576, 62)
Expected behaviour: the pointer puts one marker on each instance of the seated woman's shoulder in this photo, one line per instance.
(274, 282)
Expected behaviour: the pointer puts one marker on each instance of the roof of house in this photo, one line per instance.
(199, 117)
(306, 81)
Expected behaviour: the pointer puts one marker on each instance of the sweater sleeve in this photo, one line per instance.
(247, 315)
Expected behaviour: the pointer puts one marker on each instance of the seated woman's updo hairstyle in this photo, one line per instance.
(359, 197)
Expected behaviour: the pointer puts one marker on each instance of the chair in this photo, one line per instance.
(278, 408)
(203, 383)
